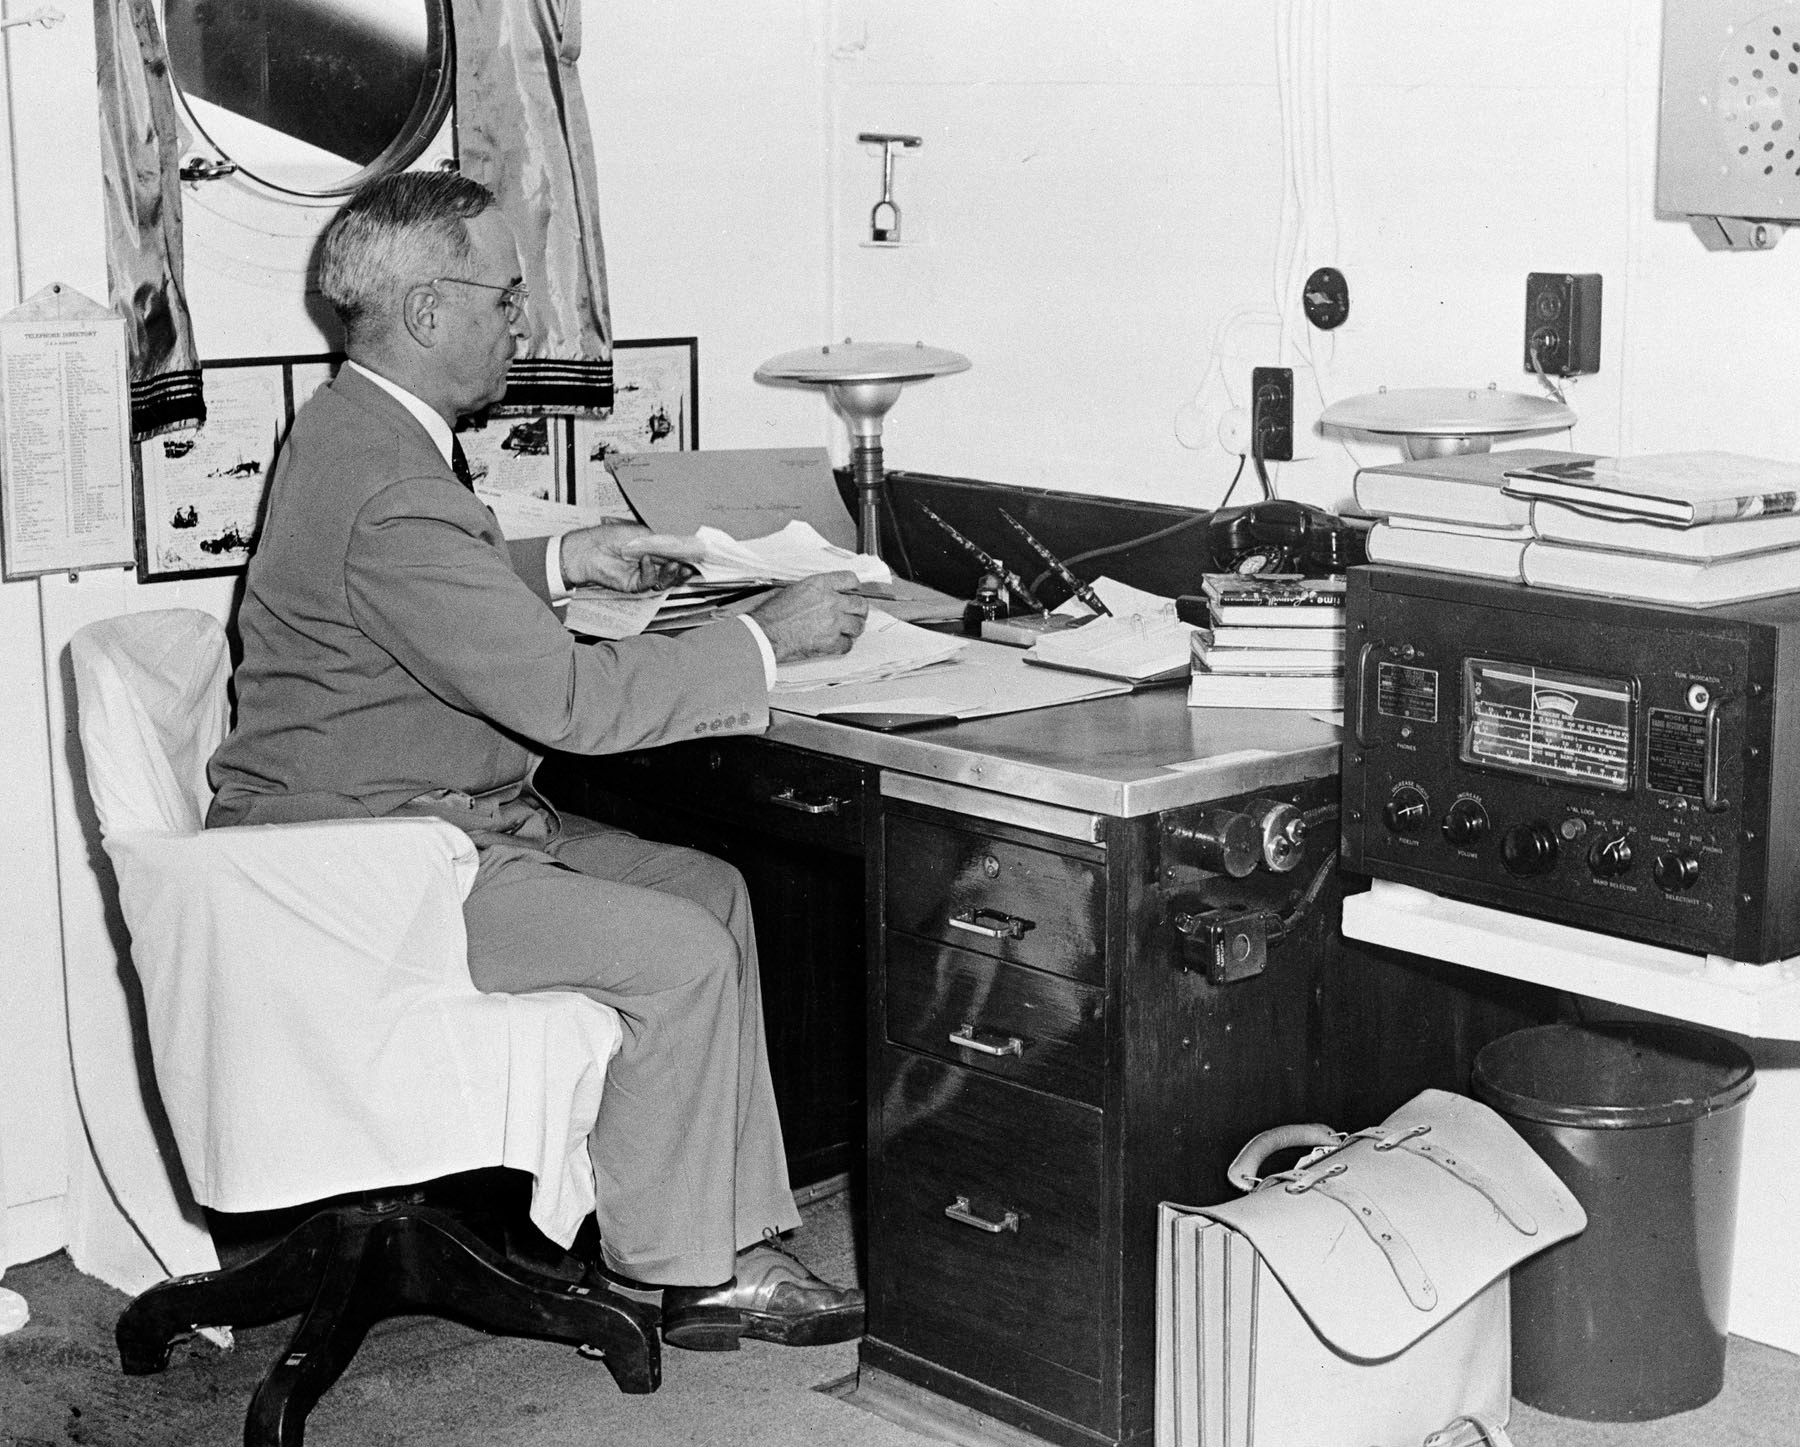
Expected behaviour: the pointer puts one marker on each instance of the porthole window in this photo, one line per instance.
(312, 98)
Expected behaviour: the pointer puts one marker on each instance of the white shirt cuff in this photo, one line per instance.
(559, 589)
(763, 647)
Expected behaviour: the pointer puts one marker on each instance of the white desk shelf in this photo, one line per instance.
(1760, 1001)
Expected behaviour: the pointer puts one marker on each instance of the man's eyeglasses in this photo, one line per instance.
(513, 298)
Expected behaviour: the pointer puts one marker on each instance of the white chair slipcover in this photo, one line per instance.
(312, 1023)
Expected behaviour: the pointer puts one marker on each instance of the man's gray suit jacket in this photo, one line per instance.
(397, 649)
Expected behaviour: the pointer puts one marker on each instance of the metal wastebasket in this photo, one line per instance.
(1644, 1124)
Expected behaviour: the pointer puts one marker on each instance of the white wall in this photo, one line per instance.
(1098, 199)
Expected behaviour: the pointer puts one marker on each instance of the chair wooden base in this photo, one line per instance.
(352, 1265)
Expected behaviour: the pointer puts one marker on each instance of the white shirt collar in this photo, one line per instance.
(428, 419)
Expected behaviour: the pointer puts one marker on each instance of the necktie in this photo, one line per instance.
(459, 464)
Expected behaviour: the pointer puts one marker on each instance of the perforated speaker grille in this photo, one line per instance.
(1729, 141)
(1757, 99)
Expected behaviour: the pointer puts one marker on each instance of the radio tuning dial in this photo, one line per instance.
(1466, 825)
(1675, 871)
(1406, 810)
(1528, 849)
(1610, 857)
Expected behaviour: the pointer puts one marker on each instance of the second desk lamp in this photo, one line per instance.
(864, 380)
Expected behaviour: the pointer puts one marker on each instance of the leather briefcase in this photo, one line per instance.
(1358, 1299)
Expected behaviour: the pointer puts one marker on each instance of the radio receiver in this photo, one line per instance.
(1625, 767)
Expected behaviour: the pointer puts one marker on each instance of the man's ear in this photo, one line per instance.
(421, 315)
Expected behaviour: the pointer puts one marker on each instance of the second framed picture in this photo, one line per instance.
(656, 408)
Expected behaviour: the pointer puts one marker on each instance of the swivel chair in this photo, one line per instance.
(316, 1038)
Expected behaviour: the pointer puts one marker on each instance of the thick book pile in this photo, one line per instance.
(1691, 528)
(1268, 642)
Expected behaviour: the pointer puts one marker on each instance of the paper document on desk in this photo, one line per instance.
(885, 648)
(980, 680)
(1141, 640)
(796, 552)
(749, 492)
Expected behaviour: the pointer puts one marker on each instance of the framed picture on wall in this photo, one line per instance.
(656, 408)
(199, 494)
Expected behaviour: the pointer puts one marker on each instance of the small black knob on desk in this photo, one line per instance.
(1529, 849)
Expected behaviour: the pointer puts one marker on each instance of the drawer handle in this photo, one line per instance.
(812, 804)
(958, 1210)
(965, 1037)
(990, 924)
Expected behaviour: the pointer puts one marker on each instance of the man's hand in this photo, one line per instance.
(627, 557)
(816, 616)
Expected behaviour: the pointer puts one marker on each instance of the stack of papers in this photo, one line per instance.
(886, 648)
(729, 571)
(796, 552)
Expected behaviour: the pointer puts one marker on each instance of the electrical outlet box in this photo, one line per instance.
(1272, 413)
(1562, 323)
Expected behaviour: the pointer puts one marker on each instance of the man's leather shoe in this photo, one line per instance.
(773, 1298)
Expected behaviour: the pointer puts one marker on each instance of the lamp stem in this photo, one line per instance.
(865, 460)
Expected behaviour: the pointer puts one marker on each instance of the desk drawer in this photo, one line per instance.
(1039, 1029)
(1017, 1307)
(1009, 900)
(790, 792)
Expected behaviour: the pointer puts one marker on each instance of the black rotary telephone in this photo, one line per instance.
(1279, 536)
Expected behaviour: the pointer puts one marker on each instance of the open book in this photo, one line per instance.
(1141, 641)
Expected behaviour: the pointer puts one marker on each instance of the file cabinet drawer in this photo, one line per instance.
(1021, 1024)
(988, 1223)
(1010, 900)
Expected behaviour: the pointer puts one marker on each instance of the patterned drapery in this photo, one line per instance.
(522, 131)
(140, 167)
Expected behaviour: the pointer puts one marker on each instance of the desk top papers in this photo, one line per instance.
(1142, 640)
(797, 551)
(729, 572)
(980, 680)
(885, 648)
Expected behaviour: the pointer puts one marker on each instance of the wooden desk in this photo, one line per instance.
(1026, 876)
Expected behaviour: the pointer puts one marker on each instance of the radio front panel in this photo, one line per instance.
(1600, 763)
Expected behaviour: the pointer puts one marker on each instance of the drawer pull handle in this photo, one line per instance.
(958, 1210)
(965, 1037)
(811, 804)
(990, 924)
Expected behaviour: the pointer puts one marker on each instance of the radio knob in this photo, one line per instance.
(1675, 871)
(1610, 856)
(1466, 825)
(1529, 849)
(1406, 810)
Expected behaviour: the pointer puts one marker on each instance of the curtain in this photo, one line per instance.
(140, 157)
(522, 131)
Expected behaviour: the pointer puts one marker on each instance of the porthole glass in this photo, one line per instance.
(313, 97)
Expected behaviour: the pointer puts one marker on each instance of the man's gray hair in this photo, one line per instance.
(393, 234)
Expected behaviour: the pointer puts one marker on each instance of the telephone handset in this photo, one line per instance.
(1279, 536)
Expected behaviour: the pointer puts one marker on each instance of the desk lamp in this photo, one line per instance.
(864, 379)
(1443, 421)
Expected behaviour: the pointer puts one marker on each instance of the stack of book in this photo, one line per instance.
(1269, 641)
(1692, 528)
(1453, 513)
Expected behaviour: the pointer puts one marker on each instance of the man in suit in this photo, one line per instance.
(400, 657)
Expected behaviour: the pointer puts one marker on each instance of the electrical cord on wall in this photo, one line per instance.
(1142, 540)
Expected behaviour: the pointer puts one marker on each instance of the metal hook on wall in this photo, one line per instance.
(44, 15)
(884, 219)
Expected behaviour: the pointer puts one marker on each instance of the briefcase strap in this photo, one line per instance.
(1412, 1141)
(1408, 1270)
